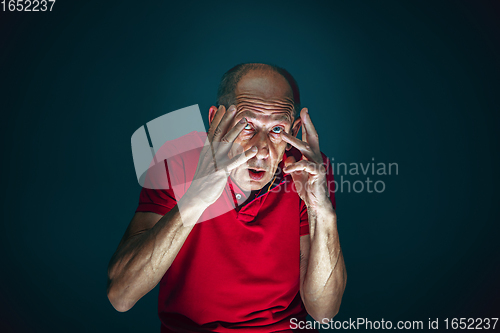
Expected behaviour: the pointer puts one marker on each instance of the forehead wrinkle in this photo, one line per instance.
(270, 107)
(285, 101)
(272, 112)
(283, 105)
(265, 106)
(252, 114)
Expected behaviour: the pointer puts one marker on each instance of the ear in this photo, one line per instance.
(211, 114)
(295, 130)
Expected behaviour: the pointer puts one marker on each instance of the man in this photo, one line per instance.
(272, 258)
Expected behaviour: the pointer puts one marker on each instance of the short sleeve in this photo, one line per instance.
(159, 201)
(167, 181)
(304, 218)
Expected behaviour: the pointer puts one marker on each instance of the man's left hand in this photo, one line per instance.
(309, 174)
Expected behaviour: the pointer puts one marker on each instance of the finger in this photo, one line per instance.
(235, 131)
(307, 166)
(311, 134)
(224, 123)
(304, 132)
(241, 158)
(289, 160)
(215, 122)
(302, 146)
(228, 139)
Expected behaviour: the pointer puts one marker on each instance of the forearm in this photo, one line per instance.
(325, 277)
(141, 261)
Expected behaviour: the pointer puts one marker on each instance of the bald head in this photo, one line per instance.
(268, 80)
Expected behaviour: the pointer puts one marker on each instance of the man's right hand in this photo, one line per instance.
(214, 164)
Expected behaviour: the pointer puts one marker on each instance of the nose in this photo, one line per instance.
(262, 144)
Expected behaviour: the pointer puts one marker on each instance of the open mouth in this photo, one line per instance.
(256, 174)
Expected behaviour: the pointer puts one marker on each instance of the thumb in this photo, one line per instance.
(289, 160)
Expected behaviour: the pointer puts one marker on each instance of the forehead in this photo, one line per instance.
(265, 84)
(264, 92)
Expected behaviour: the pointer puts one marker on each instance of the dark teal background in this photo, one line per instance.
(414, 83)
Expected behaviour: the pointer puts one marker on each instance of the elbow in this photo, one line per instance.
(325, 316)
(324, 312)
(118, 301)
(115, 293)
(120, 306)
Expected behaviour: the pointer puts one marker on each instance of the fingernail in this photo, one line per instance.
(253, 148)
(232, 108)
(243, 120)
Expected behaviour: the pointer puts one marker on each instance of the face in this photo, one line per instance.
(266, 101)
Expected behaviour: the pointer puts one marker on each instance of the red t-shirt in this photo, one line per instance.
(238, 270)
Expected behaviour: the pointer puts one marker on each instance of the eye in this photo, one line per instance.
(277, 129)
(248, 127)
